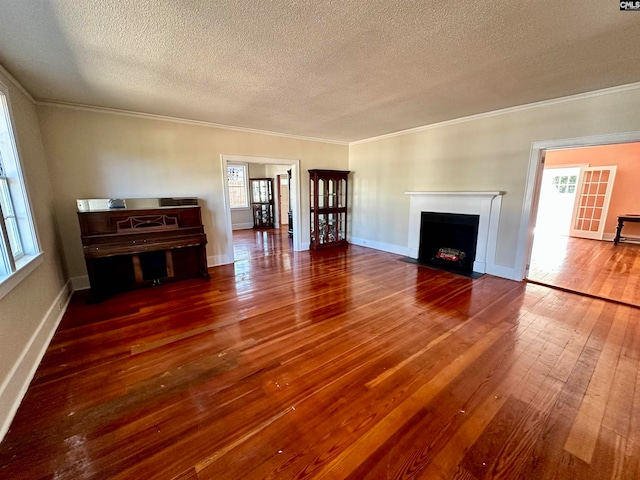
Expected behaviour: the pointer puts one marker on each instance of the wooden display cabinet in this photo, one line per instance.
(261, 191)
(328, 191)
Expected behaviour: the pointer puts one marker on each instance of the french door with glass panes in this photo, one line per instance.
(592, 202)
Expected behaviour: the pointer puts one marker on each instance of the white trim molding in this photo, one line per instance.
(28, 264)
(15, 385)
(17, 84)
(485, 204)
(217, 260)
(186, 121)
(384, 247)
(609, 237)
(242, 226)
(505, 111)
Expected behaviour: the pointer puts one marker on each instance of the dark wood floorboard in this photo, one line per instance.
(347, 364)
(590, 267)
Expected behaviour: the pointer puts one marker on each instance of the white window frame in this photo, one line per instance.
(14, 267)
(245, 167)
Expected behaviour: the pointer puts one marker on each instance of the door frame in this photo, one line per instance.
(276, 202)
(532, 188)
(295, 195)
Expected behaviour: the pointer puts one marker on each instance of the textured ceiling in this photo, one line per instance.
(332, 69)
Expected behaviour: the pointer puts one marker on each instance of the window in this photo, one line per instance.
(238, 187)
(10, 224)
(18, 243)
(565, 183)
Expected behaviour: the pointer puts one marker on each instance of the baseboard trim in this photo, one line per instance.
(509, 273)
(609, 237)
(490, 268)
(385, 247)
(217, 260)
(242, 226)
(15, 386)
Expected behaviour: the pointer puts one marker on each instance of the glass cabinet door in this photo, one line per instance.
(261, 191)
(328, 208)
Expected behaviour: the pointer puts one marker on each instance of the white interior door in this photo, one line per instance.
(592, 202)
(557, 201)
(284, 199)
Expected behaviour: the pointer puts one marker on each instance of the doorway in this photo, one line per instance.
(557, 200)
(286, 164)
(283, 201)
(571, 234)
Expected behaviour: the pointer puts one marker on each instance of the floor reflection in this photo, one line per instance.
(549, 253)
(592, 267)
(260, 251)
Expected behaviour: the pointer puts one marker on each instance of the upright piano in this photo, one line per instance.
(130, 243)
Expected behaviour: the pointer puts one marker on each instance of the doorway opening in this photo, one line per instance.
(579, 195)
(266, 168)
(557, 200)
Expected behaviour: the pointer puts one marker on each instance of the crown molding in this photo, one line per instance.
(504, 111)
(166, 118)
(16, 84)
(455, 121)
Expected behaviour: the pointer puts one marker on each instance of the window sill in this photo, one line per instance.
(234, 209)
(25, 265)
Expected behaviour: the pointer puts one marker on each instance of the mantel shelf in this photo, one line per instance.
(459, 194)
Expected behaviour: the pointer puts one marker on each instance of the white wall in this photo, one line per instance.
(98, 154)
(489, 152)
(30, 312)
(241, 218)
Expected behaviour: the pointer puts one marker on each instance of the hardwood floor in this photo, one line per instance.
(592, 267)
(349, 364)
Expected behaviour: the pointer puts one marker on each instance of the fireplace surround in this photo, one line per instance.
(484, 204)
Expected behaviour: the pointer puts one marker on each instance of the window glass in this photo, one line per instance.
(237, 181)
(17, 233)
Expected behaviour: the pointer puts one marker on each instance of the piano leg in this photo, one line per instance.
(204, 271)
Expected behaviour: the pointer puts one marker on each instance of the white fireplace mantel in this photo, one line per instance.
(457, 194)
(485, 204)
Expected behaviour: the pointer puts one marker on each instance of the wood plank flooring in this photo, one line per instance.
(592, 267)
(339, 365)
